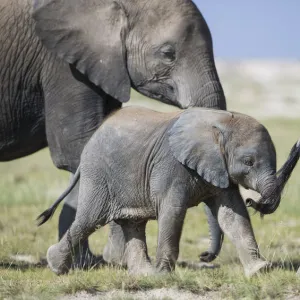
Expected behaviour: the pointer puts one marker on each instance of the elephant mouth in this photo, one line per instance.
(163, 91)
(256, 205)
(249, 202)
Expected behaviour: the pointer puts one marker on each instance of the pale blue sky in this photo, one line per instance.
(253, 28)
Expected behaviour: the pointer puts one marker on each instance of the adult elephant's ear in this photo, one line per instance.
(90, 35)
(197, 142)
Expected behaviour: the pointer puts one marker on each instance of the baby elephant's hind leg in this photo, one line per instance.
(136, 253)
(60, 255)
(114, 250)
(91, 213)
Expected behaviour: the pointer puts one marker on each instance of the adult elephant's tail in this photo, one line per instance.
(47, 214)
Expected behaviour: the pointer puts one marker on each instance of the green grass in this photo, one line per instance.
(29, 185)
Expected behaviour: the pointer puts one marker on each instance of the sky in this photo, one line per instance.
(253, 28)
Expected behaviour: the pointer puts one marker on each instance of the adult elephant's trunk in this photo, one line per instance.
(201, 86)
(216, 237)
(272, 188)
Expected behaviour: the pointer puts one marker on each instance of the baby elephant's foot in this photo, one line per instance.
(145, 270)
(259, 266)
(59, 263)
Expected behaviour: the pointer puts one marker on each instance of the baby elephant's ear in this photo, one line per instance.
(197, 142)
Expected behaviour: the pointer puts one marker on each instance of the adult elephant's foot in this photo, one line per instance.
(207, 256)
(256, 267)
(196, 265)
(59, 262)
(85, 259)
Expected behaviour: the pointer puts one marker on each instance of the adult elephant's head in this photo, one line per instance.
(226, 148)
(162, 48)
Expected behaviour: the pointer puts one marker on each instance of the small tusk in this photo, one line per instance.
(251, 203)
(248, 202)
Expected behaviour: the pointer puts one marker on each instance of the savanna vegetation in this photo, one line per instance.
(29, 185)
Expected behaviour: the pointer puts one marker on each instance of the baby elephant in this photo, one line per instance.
(142, 164)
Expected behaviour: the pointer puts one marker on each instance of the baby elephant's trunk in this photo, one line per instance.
(47, 214)
(270, 199)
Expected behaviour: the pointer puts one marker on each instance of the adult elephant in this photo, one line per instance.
(66, 64)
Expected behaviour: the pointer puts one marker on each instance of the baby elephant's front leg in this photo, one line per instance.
(170, 222)
(234, 220)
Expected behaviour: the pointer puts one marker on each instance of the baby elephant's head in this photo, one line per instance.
(225, 147)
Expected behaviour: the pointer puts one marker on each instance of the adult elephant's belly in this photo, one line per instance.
(22, 127)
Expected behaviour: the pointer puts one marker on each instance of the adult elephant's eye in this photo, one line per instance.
(248, 162)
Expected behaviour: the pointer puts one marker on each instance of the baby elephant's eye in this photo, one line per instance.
(248, 162)
(168, 53)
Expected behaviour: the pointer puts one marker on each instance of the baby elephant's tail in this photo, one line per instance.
(47, 214)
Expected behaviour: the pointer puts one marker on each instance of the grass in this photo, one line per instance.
(29, 185)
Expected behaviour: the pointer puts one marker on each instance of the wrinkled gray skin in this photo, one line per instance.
(270, 189)
(67, 67)
(143, 165)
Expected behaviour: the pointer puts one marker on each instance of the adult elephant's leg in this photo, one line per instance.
(68, 212)
(216, 237)
(74, 110)
(115, 248)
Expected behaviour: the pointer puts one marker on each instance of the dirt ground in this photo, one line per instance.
(157, 294)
